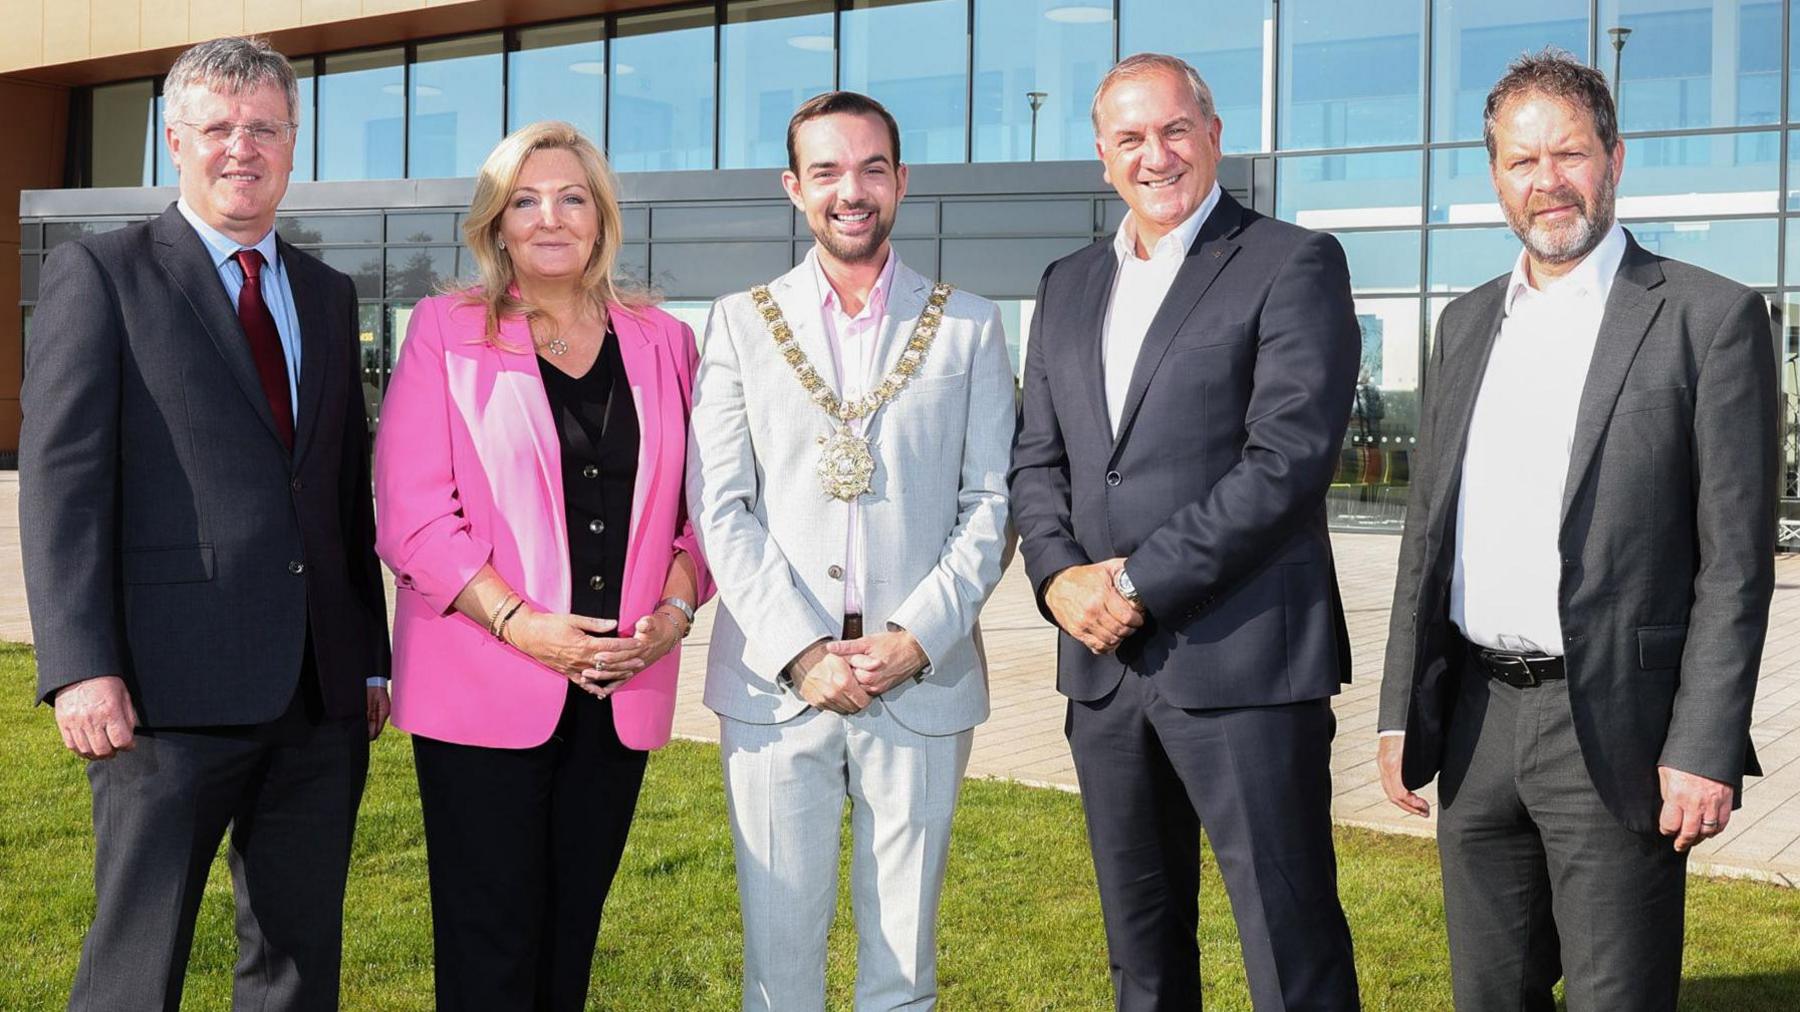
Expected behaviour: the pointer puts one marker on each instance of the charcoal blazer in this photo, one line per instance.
(1667, 537)
(1214, 487)
(168, 535)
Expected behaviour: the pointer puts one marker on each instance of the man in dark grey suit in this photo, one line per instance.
(1187, 386)
(199, 555)
(1585, 578)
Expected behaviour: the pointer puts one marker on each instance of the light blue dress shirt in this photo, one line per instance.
(278, 295)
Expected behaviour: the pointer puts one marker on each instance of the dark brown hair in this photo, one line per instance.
(830, 104)
(1555, 74)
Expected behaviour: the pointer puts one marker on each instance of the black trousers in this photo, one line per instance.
(522, 846)
(288, 792)
(1539, 878)
(1259, 779)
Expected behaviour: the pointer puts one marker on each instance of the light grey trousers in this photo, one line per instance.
(785, 786)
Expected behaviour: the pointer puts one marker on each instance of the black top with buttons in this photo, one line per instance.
(597, 427)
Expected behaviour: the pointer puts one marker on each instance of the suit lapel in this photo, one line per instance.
(797, 293)
(1462, 386)
(1630, 308)
(189, 265)
(1213, 248)
(643, 380)
(316, 349)
(1090, 330)
(517, 370)
(906, 300)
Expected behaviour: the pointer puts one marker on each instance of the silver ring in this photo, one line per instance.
(1709, 824)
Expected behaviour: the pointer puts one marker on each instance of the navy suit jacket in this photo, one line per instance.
(1214, 487)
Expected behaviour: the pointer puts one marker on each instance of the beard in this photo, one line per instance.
(1570, 240)
(854, 249)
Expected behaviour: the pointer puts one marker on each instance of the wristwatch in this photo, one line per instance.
(1122, 582)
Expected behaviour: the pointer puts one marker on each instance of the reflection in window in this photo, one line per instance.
(559, 73)
(159, 148)
(1462, 188)
(1055, 49)
(1223, 40)
(1474, 41)
(1701, 175)
(1705, 63)
(123, 135)
(419, 271)
(1742, 250)
(363, 266)
(455, 119)
(1459, 259)
(662, 91)
(1789, 366)
(1382, 261)
(362, 116)
(773, 55)
(375, 366)
(910, 56)
(308, 122)
(1349, 191)
(1369, 490)
(1350, 73)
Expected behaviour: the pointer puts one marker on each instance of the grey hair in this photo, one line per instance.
(1141, 64)
(231, 66)
(1555, 74)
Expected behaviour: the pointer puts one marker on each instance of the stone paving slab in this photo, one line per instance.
(1023, 739)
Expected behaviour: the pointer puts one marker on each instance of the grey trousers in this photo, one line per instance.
(1540, 880)
(785, 786)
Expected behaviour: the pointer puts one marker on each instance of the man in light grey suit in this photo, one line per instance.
(851, 430)
(1585, 578)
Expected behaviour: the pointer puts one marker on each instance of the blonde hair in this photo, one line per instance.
(492, 285)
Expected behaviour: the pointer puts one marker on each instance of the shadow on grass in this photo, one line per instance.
(1778, 989)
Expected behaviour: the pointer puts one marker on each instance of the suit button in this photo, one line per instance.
(596, 526)
(296, 567)
(597, 583)
(296, 484)
(590, 471)
(1114, 478)
(835, 572)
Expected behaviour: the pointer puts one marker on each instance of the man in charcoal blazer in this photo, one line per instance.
(1585, 577)
(1187, 385)
(199, 557)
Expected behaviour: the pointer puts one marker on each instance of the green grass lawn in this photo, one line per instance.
(1021, 922)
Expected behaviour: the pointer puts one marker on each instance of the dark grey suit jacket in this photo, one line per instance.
(168, 535)
(1215, 486)
(1667, 541)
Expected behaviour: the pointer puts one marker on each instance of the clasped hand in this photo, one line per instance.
(1088, 606)
(578, 647)
(845, 676)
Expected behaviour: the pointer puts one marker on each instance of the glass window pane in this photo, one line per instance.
(1348, 191)
(1790, 409)
(374, 366)
(313, 229)
(362, 111)
(417, 272)
(1701, 175)
(1702, 63)
(559, 72)
(303, 135)
(1462, 188)
(1382, 262)
(774, 55)
(123, 134)
(1350, 73)
(1463, 258)
(662, 92)
(455, 117)
(1742, 250)
(1369, 491)
(1015, 319)
(363, 265)
(1054, 49)
(159, 148)
(1473, 43)
(912, 56)
(1223, 40)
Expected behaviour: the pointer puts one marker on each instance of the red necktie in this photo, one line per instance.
(265, 344)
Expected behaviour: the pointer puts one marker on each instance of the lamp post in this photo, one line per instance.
(1619, 35)
(1036, 98)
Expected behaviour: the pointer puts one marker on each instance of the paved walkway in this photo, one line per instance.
(1023, 739)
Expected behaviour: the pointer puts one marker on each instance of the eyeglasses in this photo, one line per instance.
(260, 133)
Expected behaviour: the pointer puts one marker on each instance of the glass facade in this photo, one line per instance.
(1362, 119)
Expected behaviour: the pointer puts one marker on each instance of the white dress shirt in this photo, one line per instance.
(852, 340)
(1139, 288)
(1506, 585)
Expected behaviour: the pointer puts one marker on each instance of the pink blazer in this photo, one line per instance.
(468, 471)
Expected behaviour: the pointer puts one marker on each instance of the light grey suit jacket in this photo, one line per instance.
(1667, 540)
(935, 524)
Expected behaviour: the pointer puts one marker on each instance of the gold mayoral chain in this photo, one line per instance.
(846, 467)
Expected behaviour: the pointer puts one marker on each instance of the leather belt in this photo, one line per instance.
(853, 627)
(1521, 671)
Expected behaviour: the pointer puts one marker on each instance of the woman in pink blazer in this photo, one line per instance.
(528, 475)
